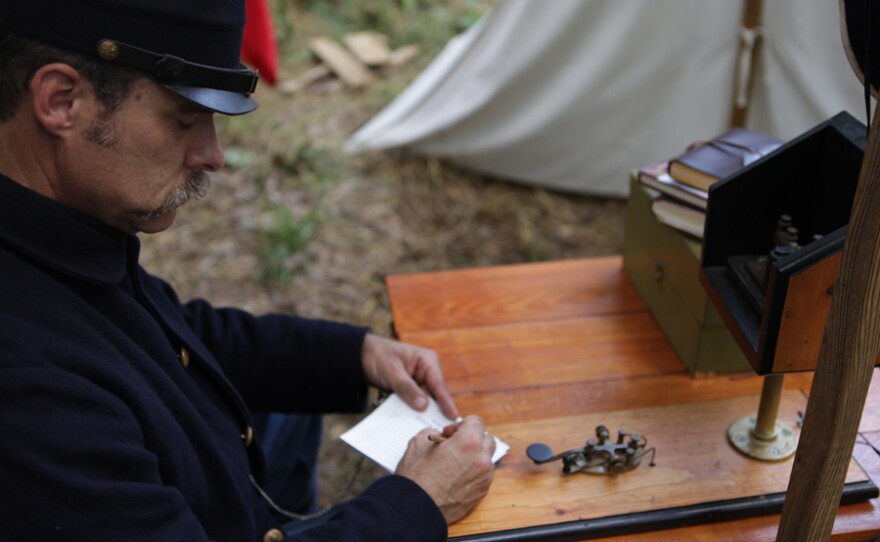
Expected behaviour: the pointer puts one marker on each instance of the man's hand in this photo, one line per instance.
(408, 370)
(457, 472)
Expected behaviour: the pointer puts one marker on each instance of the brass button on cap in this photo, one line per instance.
(248, 437)
(184, 357)
(273, 535)
(108, 49)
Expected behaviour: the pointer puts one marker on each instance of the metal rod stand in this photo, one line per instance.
(763, 436)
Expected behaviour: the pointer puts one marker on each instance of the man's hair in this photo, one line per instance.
(21, 57)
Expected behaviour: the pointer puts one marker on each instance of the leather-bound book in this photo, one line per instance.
(706, 162)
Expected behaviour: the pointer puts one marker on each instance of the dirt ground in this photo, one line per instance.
(295, 225)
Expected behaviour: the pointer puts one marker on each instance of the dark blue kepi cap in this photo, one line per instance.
(191, 47)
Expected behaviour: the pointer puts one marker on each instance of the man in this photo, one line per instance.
(124, 414)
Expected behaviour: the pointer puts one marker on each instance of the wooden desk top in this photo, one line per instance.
(544, 352)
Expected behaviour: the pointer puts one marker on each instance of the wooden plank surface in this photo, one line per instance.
(545, 402)
(546, 353)
(508, 294)
(526, 346)
(858, 522)
(694, 464)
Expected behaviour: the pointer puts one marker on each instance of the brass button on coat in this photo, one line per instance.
(248, 436)
(184, 357)
(273, 535)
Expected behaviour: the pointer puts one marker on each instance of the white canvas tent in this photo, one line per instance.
(574, 94)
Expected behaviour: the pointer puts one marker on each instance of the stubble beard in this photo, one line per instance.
(195, 185)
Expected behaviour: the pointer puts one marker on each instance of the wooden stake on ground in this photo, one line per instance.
(402, 55)
(305, 79)
(343, 63)
(369, 47)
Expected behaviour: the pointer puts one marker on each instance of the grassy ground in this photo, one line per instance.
(294, 225)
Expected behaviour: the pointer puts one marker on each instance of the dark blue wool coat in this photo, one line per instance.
(124, 414)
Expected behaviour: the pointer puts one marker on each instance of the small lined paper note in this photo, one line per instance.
(384, 434)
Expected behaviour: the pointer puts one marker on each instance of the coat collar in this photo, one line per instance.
(61, 237)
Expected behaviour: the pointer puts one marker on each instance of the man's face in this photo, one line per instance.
(134, 168)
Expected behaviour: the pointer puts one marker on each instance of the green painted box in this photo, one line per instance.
(663, 263)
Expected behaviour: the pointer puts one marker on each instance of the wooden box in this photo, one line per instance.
(779, 321)
(663, 264)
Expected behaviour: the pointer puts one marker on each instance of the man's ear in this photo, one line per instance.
(59, 94)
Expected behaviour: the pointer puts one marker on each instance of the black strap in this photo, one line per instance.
(175, 70)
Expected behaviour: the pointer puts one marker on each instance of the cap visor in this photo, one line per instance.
(220, 101)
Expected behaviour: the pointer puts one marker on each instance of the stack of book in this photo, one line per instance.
(684, 181)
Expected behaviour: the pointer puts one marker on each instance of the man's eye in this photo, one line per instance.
(187, 122)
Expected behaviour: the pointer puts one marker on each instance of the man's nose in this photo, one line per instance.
(205, 151)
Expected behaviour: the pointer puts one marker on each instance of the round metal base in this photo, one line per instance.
(780, 446)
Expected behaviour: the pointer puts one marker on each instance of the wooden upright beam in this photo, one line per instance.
(747, 57)
(843, 373)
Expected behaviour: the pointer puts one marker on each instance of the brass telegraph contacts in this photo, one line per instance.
(599, 455)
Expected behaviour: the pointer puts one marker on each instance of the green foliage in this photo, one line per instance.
(285, 237)
(308, 162)
(533, 245)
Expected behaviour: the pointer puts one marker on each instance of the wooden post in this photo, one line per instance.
(747, 55)
(843, 372)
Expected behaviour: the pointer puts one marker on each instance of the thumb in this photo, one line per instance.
(412, 394)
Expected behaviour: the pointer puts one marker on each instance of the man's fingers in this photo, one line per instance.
(410, 371)
(450, 429)
(437, 388)
(490, 443)
(444, 399)
(409, 391)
